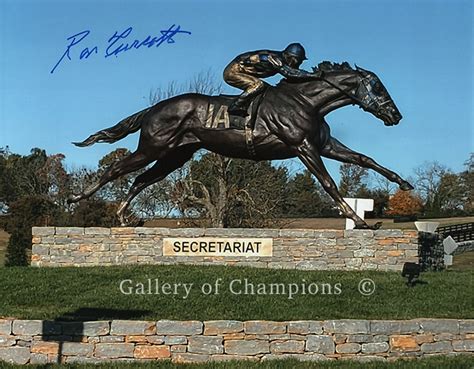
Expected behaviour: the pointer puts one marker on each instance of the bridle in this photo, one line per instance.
(364, 95)
(370, 99)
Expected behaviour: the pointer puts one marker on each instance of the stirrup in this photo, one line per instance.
(237, 109)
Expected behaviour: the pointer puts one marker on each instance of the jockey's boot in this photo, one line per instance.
(239, 107)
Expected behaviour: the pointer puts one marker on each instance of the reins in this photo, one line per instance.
(352, 97)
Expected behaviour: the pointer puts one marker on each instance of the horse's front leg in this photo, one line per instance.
(309, 155)
(337, 151)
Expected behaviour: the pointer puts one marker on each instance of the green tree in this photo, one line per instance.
(305, 199)
(34, 174)
(381, 200)
(20, 175)
(24, 213)
(33, 190)
(55, 178)
(94, 212)
(450, 195)
(116, 190)
(3, 179)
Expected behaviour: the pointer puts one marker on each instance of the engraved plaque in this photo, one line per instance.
(217, 246)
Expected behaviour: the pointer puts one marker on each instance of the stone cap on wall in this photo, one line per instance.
(199, 232)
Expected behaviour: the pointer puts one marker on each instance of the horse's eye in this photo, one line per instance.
(377, 86)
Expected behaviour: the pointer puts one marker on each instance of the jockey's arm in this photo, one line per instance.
(291, 73)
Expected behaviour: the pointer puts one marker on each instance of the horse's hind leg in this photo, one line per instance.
(169, 163)
(336, 150)
(131, 163)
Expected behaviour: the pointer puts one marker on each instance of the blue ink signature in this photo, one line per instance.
(117, 44)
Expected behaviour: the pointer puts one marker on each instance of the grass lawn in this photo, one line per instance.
(454, 362)
(316, 223)
(94, 293)
(464, 261)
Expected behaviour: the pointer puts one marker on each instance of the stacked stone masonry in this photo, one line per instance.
(39, 342)
(304, 249)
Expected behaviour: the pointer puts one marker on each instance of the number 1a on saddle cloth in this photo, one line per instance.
(218, 117)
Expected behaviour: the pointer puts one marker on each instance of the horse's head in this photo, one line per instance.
(372, 96)
(347, 86)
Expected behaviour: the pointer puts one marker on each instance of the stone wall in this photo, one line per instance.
(37, 341)
(292, 249)
(464, 247)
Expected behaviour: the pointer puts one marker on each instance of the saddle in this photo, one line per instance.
(218, 117)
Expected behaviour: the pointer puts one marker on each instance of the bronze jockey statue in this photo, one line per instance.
(245, 71)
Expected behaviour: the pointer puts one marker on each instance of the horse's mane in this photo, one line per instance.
(325, 66)
(328, 66)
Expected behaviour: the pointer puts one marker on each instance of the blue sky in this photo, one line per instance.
(421, 50)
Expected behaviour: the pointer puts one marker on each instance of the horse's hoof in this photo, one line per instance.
(405, 186)
(133, 223)
(366, 226)
(376, 226)
(123, 221)
(130, 221)
(73, 198)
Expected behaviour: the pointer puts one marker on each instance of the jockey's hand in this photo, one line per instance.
(275, 62)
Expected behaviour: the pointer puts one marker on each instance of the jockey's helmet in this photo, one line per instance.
(295, 50)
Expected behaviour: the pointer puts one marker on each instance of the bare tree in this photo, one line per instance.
(353, 177)
(231, 192)
(194, 197)
(383, 184)
(467, 180)
(428, 181)
(204, 82)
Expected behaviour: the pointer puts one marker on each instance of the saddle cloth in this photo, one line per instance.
(218, 117)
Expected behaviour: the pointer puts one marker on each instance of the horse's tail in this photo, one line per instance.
(120, 130)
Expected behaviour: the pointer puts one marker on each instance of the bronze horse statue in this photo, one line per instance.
(288, 122)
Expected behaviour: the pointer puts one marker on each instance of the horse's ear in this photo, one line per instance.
(361, 70)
